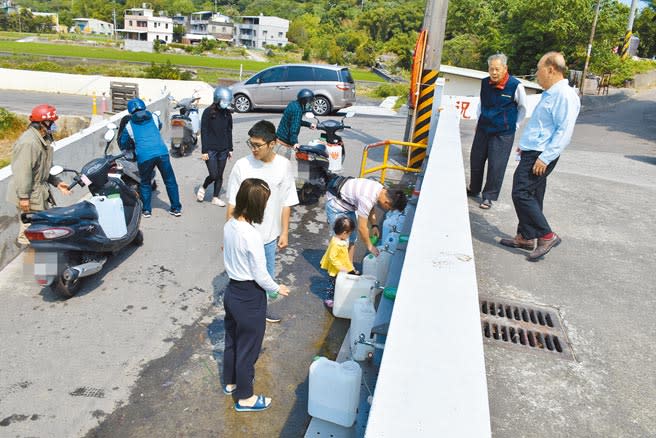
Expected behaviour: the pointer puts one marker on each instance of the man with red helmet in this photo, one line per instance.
(31, 160)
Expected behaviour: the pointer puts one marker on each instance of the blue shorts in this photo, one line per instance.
(333, 213)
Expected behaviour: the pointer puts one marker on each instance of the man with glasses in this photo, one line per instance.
(265, 164)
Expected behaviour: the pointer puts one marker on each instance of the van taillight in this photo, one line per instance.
(48, 233)
(343, 87)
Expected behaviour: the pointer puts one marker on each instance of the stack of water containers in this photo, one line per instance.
(334, 389)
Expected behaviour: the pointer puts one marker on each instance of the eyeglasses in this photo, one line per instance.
(255, 146)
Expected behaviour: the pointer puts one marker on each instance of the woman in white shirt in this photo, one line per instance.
(245, 297)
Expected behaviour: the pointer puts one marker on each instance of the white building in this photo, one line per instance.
(92, 26)
(207, 24)
(256, 31)
(141, 28)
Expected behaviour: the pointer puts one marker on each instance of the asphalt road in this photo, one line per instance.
(66, 104)
(137, 352)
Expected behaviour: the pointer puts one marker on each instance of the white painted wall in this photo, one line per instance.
(432, 380)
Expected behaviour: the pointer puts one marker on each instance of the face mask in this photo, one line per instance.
(53, 128)
(223, 104)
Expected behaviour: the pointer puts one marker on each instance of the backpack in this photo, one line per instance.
(335, 183)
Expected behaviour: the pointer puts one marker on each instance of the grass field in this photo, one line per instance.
(77, 51)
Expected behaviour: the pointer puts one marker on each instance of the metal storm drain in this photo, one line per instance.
(86, 391)
(529, 327)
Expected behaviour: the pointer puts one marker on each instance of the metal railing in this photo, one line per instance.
(382, 168)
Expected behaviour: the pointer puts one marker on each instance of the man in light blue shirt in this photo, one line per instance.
(546, 135)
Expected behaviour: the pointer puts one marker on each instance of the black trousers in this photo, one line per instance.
(245, 312)
(215, 166)
(495, 149)
(528, 196)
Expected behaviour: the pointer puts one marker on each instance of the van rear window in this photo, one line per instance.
(346, 75)
(323, 74)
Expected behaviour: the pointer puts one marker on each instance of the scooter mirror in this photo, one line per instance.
(56, 170)
(111, 126)
(109, 135)
(349, 114)
(309, 115)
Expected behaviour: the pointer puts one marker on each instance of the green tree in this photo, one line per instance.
(645, 29)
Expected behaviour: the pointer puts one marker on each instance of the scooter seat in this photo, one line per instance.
(318, 149)
(66, 215)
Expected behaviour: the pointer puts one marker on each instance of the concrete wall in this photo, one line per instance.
(72, 152)
(432, 380)
(149, 89)
(645, 80)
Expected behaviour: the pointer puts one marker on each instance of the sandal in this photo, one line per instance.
(260, 405)
(486, 204)
(226, 391)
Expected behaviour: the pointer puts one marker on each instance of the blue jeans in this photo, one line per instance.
(333, 213)
(146, 168)
(270, 250)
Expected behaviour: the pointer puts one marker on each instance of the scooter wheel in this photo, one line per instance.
(138, 238)
(66, 288)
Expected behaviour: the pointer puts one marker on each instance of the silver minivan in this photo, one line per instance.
(275, 87)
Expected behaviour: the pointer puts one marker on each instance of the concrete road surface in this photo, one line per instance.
(138, 350)
(66, 104)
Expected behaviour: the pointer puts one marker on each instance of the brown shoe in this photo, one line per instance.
(519, 242)
(544, 246)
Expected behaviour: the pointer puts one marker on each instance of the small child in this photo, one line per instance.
(336, 259)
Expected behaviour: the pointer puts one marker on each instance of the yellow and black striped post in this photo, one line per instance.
(423, 118)
(625, 46)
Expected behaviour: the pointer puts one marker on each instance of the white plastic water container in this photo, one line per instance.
(349, 288)
(334, 392)
(393, 223)
(364, 315)
(377, 266)
(334, 157)
(111, 215)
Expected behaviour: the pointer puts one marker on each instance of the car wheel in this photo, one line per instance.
(321, 106)
(242, 103)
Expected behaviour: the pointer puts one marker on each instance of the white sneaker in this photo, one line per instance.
(219, 202)
(200, 194)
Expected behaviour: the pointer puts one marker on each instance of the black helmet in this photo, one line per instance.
(305, 96)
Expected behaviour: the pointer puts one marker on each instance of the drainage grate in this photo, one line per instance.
(529, 327)
(85, 391)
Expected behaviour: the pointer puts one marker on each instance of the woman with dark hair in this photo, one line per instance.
(245, 297)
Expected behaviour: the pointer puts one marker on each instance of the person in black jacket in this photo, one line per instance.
(216, 139)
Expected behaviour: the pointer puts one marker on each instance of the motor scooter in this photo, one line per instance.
(74, 242)
(185, 125)
(319, 158)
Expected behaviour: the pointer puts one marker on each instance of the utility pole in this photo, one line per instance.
(629, 30)
(426, 112)
(587, 56)
(114, 16)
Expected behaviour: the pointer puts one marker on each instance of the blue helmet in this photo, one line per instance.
(223, 97)
(135, 105)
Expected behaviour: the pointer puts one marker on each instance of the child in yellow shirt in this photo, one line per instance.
(336, 259)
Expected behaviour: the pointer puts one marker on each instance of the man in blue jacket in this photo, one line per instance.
(143, 129)
(502, 108)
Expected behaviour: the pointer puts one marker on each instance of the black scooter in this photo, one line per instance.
(320, 158)
(74, 242)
